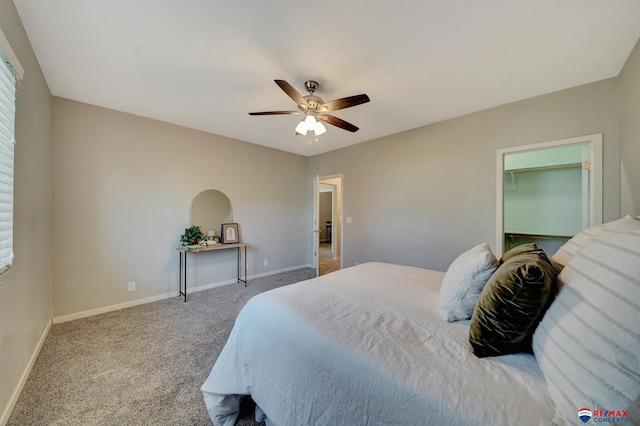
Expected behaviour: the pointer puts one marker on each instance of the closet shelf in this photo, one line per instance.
(544, 169)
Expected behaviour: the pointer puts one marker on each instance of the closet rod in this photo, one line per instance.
(538, 237)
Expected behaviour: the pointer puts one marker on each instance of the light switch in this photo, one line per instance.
(349, 219)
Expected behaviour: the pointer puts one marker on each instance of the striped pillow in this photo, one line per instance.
(588, 343)
(571, 247)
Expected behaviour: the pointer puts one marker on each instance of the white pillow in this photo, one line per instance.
(588, 343)
(464, 281)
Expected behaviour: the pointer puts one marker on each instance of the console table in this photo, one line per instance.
(182, 280)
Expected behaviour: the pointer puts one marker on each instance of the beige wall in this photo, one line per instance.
(25, 290)
(423, 196)
(122, 190)
(630, 133)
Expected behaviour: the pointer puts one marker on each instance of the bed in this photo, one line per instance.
(367, 346)
(381, 344)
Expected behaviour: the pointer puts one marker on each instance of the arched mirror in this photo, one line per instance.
(209, 209)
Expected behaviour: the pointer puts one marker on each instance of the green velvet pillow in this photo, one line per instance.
(522, 248)
(511, 304)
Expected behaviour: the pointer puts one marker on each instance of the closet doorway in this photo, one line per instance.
(548, 192)
(328, 224)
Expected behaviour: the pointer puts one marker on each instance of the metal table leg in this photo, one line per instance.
(182, 278)
(245, 265)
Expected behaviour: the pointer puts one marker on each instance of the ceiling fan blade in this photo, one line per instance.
(338, 122)
(293, 93)
(344, 103)
(274, 112)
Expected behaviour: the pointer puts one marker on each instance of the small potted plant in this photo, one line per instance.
(192, 236)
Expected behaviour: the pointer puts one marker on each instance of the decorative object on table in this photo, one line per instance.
(229, 233)
(192, 236)
(211, 238)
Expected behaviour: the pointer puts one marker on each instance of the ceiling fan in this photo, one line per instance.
(315, 109)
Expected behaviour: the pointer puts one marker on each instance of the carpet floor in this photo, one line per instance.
(138, 366)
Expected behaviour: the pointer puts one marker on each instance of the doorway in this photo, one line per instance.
(548, 192)
(328, 224)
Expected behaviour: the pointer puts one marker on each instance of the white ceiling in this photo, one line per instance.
(205, 64)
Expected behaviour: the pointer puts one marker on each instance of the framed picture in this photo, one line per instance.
(229, 233)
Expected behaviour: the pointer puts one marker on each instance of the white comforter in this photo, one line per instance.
(367, 346)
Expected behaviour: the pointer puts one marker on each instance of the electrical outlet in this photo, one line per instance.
(266, 262)
(132, 285)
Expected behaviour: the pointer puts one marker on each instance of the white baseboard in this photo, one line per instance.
(279, 271)
(131, 303)
(110, 308)
(4, 419)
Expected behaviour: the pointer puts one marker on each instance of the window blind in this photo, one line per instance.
(7, 141)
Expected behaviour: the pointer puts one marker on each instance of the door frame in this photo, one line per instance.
(595, 179)
(339, 217)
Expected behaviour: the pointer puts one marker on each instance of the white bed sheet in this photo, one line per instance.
(367, 346)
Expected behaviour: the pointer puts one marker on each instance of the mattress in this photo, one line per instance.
(367, 346)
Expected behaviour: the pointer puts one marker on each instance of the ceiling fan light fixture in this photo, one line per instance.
(301, 128)
(319, 128)
(310, 121)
